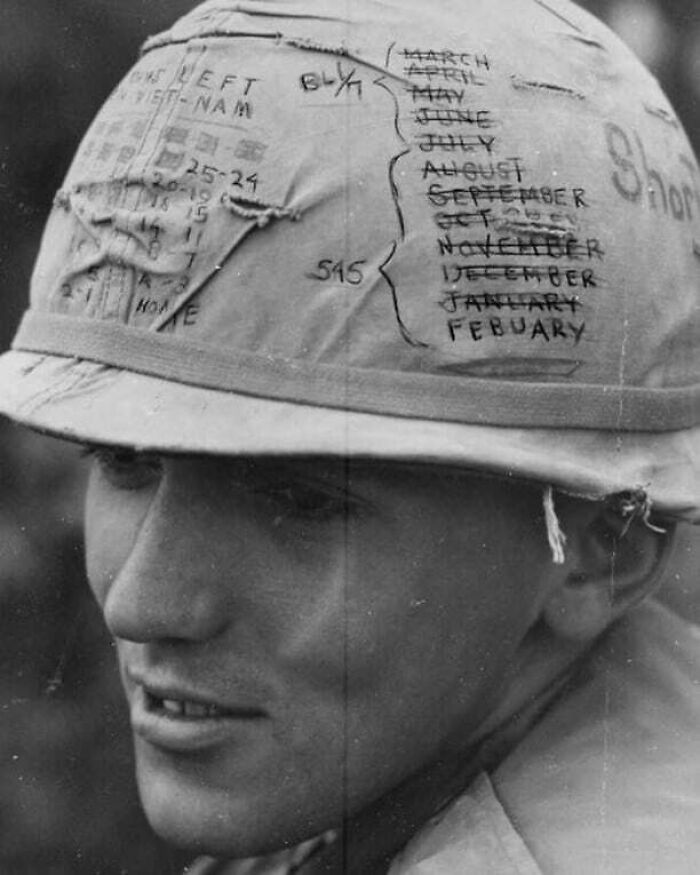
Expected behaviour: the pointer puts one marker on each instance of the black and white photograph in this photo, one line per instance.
(350, 437)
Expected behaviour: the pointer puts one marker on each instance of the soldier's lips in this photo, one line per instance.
(179, 719)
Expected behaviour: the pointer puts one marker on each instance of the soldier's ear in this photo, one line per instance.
(615, 557)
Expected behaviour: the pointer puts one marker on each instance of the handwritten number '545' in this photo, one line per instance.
(328, 269)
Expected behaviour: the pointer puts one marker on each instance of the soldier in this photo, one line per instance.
(381, 326)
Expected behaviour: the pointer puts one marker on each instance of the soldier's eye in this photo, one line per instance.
(125, 468)
(310, 502)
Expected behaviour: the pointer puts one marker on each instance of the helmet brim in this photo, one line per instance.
(92, 403)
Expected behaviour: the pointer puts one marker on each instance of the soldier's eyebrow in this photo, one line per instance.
(87, 450)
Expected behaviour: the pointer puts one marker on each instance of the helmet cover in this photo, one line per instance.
(474, 221)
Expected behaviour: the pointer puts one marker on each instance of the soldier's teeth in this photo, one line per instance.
(192, 709)
(181, 708)
(174, 706)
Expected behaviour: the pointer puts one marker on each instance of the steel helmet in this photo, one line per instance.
(467, 233)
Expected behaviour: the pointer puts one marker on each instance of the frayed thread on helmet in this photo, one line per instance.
(634, 504)
(555, 535)
(630, 505)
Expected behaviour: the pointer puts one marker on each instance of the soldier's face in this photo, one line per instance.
(296, 638)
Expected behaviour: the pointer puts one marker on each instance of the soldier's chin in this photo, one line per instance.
(195, 820)
(234, 822)
(189, 818)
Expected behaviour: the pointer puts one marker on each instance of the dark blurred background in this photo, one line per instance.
(67, 799)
